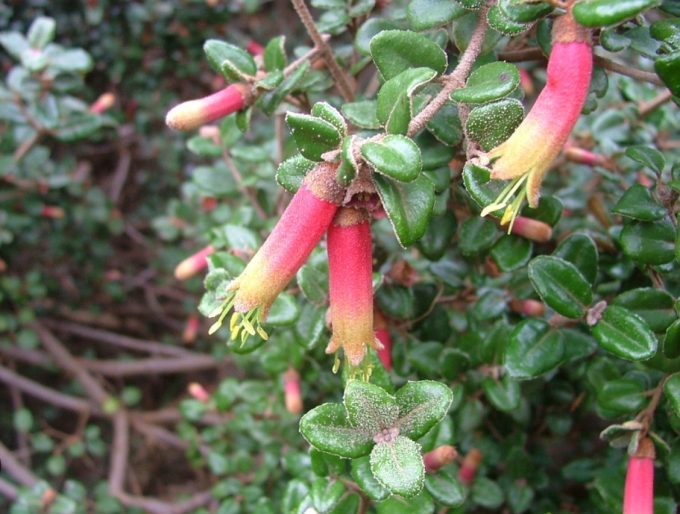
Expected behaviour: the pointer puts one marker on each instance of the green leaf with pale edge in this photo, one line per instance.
(479, 185)
(599, 13)
(491, 124)
(396, 156)
(446, 489)
(655, 306)
(41, 32)
(427, 14)
(327, 112)
(348, 164)
(395, 51)
(671, 390)
(625, 334)
(229, 60)
(362, 475)
(422, 405)
(408, 206)
(500, 22)
(362, 114)
(488, 82)
(521, 11)
(533, 349)
(581, 251)
(637, 203)
(275, 54)
(395, 103)
(398, 466)
(313, 136)
(649, 243)
(327, 429)
(561, 285)
(292, 172)
(369, 407)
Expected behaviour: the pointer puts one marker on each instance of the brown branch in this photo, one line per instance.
(8, 490)
(241, 186)
(525, 54)
(340, 78)
(15, 469)
(453, 81)
(628, 70)
(644, 108)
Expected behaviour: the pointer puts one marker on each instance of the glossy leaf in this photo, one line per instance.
(671, 391)
(394, 108)
(655, 306)
(395, 156)
(647, 156)
(625, 334)
(313, 136)
(511, 252)
(500, 22)
(275, 54)
(328, 113)
(534, 349)
(362, 475)
(581, 251)
(229, 60)
(521, 11)
(671, 341)
(362, 114)
(649, 243)
(292, 172)
(427, 14)
(477, 235)
(396, 51)
(445, 489)
(637, 203)
(599, 13)
(561, 285)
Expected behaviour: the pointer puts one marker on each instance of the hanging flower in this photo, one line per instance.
(292, 391)
(350, 263)
(300, 228)
(638, 496)
(383, 335)
(194, 263)
(526, 156)
(192, 114)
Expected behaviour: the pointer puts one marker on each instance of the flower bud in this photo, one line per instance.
(383, 335)
(531, 229)
(439, 457)
(292, 392)
(470, 465)
(638, 495)
(52, 212)
(103, 103)
(198, 392)
(193, 264)
(192, 114)
(190, 329)
(528, 307)
(255, 48)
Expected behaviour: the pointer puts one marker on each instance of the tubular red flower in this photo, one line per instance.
(300, 228)
(531, 229)
(193, 264)
(439, 457)
(527, 155)
(190, 329)
(471, 463)
(383, 335)
(103, 103)
(194, 113)
(254, 48)
(292, 392)
(198, 392)
(638, 496)
(52, 211)
(350, 266)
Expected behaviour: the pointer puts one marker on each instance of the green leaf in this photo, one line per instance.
(327, 429)
(655, 306)
(326, 493)
(445, 489)
(522, 11)
(203, 147)
(445, 125)
(479, 185)
(275, 54)
(327, 112)
(78, 127)
(292, 172)
(370, 407)
(491, 124)
(500, 22)
(649, 243)
(581, 251)
(41, 32)
(671, 341)
(313, 136)
(73, 60)
(427, 14)
(561, 285)
(647, 156)
(672, 391)
(422, 405)
(512, 252)
(421, 504)
(533, 349)
(503, 394)
(488, 82)
(477, 235)
(637, 203)
(229, 60)
(395, 156)
(14, 43)
(667, 67)
(599, 13)
(396, 51)
(269, 101)
(408, 206)
(487, 493)
(621, 396)
(362, 475)
(395, 99)
(625, 334)
(398, 466)
(438, 236)
(362, 114)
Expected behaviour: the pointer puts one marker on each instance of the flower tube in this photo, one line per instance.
(194, 263)
(300, 228)
(383, 335)
(192, 114)
(638, 496)
(350, 266)
(439, 457)
(292, 391)
(526, 156)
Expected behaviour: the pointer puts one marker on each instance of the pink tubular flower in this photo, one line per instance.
(470, 465)
(254, 48)
(439, 457)
(190, 329)
(292, 392)
(103, 103)
(52, 212)
(638, 496)
(193, 264)
(531, 229)
(527, 155)
(198, 392)
(383, 335)
(300, 228)
(350, 266)
(194, 113)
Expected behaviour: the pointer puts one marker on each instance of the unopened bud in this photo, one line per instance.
(190, 329)
(532, 229)
(192, 265)
(383, 335)
(583, 156)
(52, 212)
(439, 457)
(3, 266)
(292, 392)
(255, 48)
(192, 114)
(208, 203)
(526, 82)
(103, 103)
(470, 465)
(198, 392)
(528, 307)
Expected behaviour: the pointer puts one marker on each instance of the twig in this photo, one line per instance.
(24, 147)
(644, 108)
(120, 174)
(242, 187)
(453, 81)
(339, 76)
(629, 71)
(645, 417)
(525, 54)
(8, 490)
(15, 469)
(310, 55)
